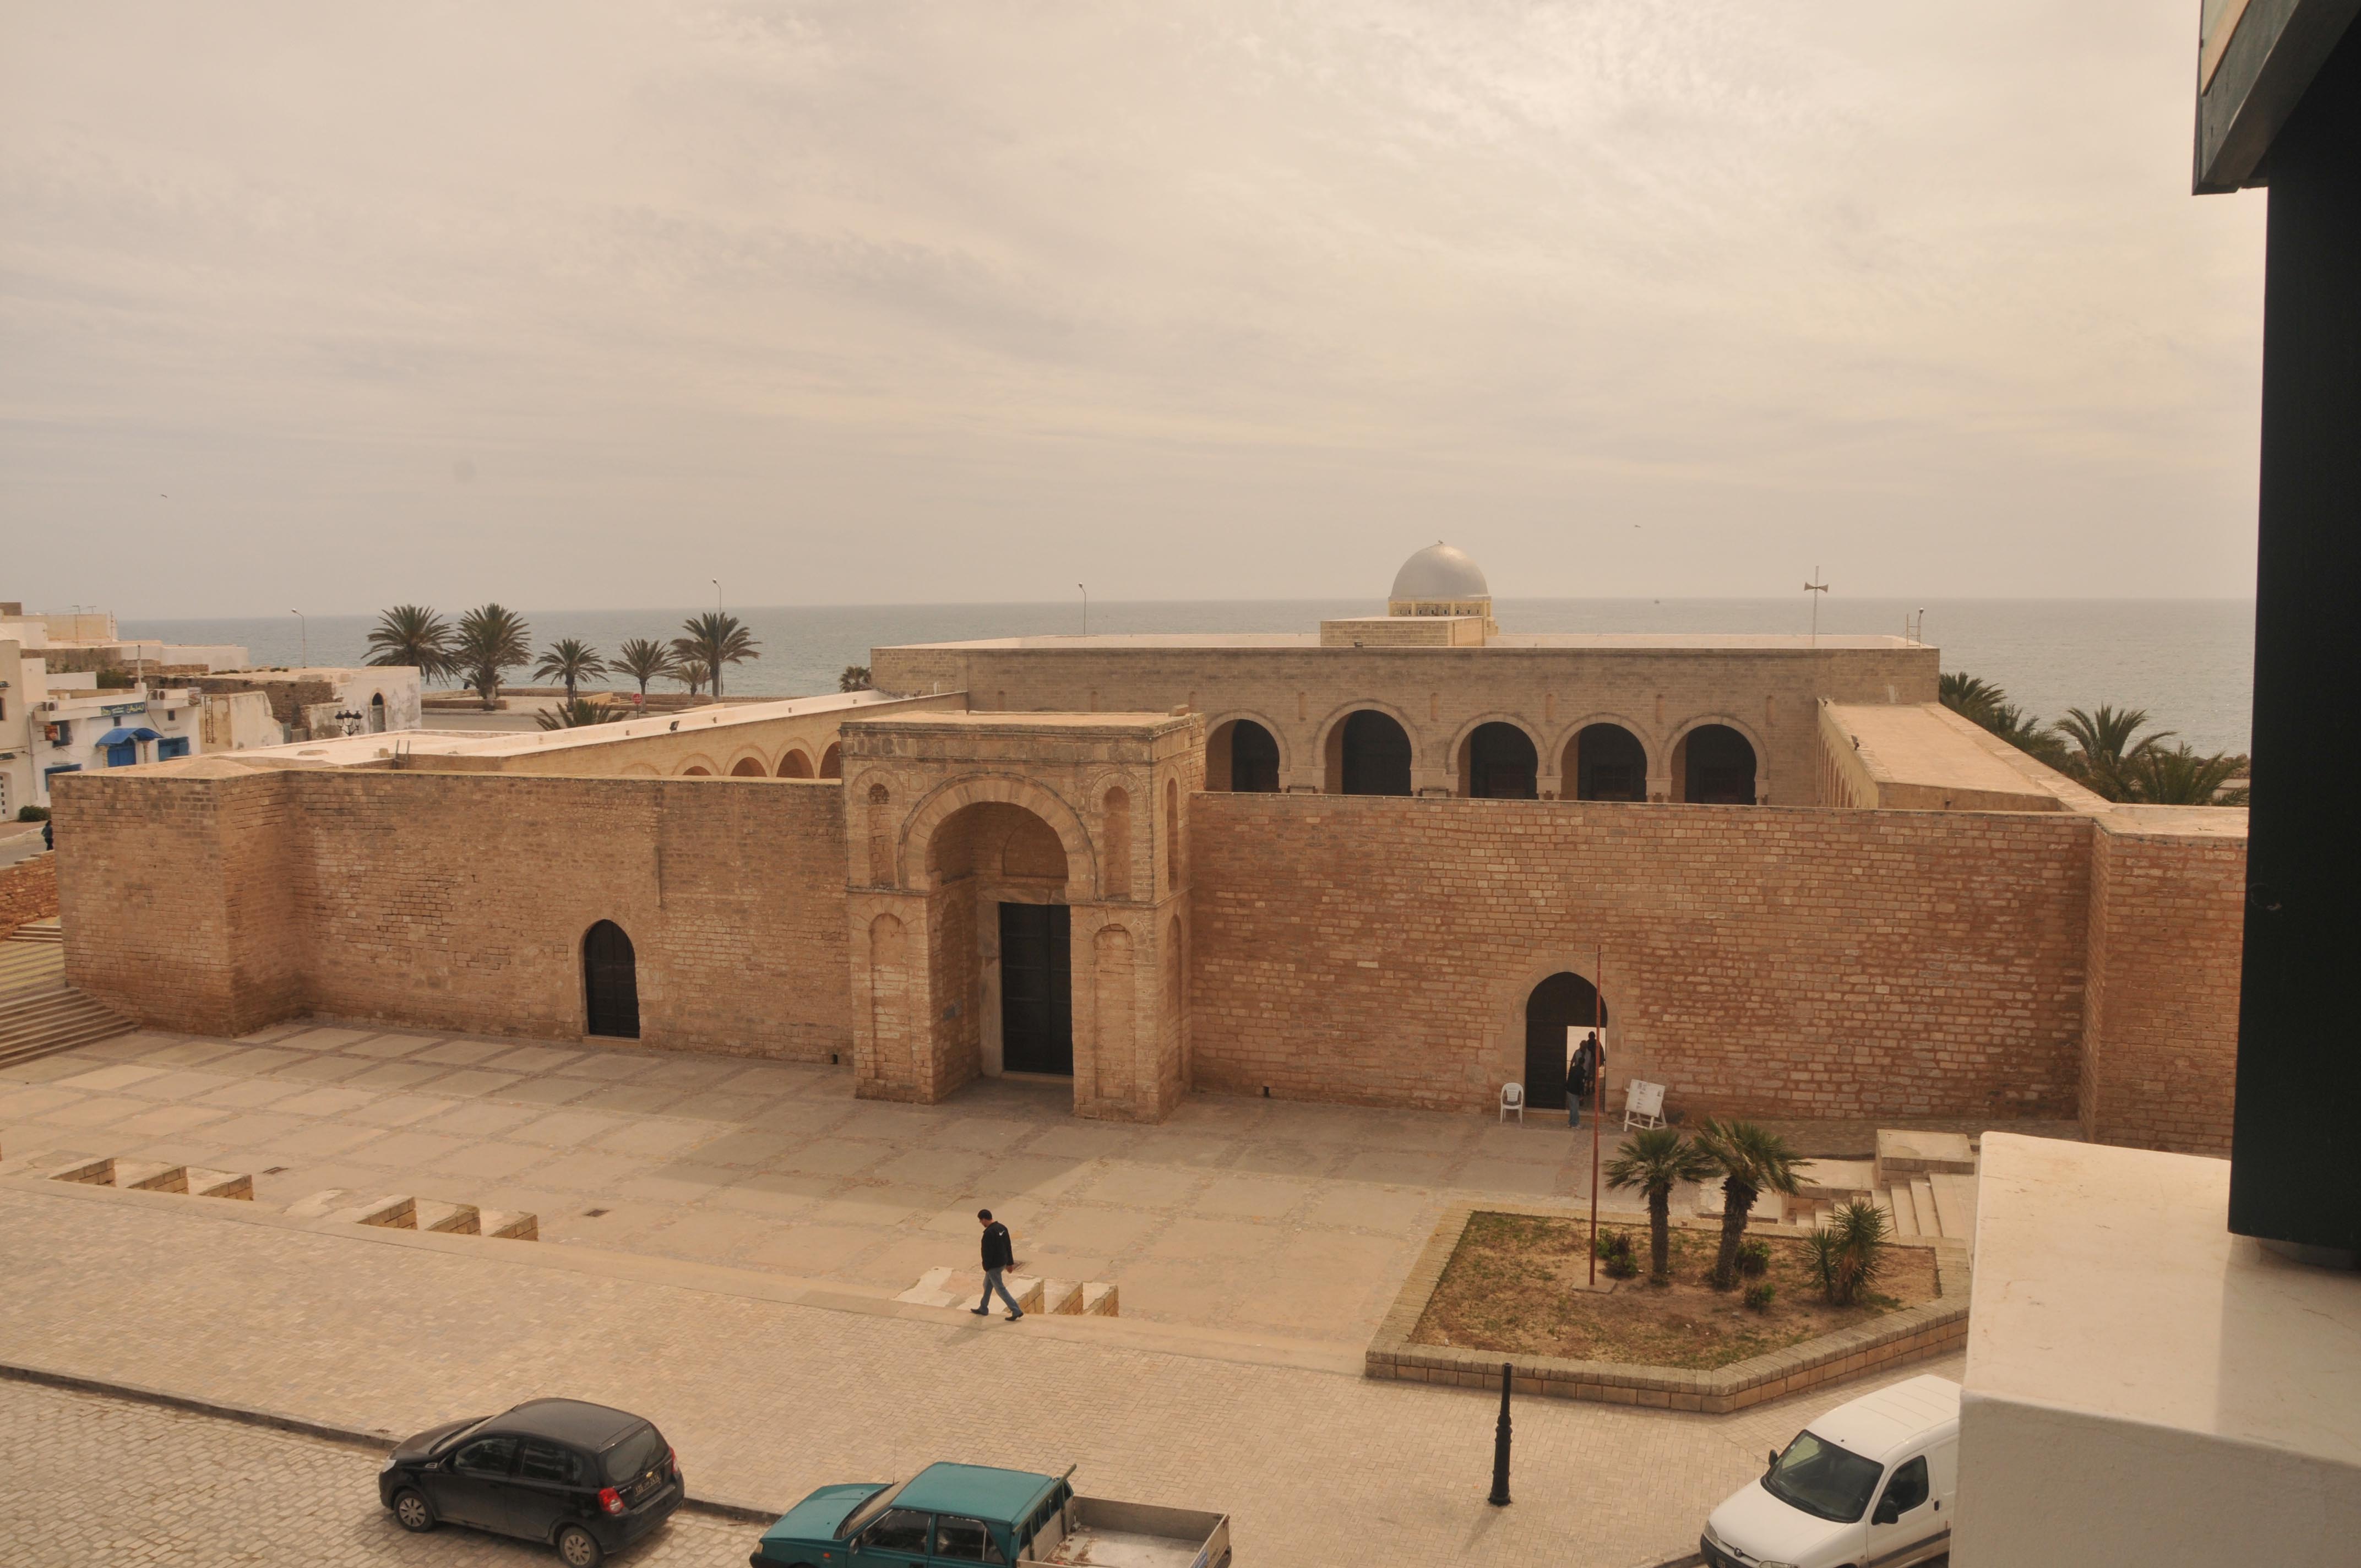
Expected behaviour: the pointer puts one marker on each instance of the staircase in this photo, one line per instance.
(40, 1012)
(1924, 1182)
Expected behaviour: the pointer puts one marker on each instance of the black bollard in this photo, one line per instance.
(1500, 1497)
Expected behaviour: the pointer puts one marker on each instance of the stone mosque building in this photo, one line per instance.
(1387, 862)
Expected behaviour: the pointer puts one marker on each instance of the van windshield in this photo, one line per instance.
(858, 1520)
(1820, 1478)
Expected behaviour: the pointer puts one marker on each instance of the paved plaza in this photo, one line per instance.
(1255, 1215)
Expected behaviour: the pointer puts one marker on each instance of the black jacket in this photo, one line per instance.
(997, 1252)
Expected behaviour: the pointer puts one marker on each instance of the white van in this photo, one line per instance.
(1870, 1485)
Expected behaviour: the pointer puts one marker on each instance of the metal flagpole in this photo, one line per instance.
(1597, 1096)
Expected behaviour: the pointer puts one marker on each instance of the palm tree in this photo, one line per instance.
(690, 673)
(854, 679)
(572, 661)
(644, 661)
(492, 639)
(715, 639)
(1848, 1254)
(2182, 776)
(2108, 747)
(1657, 1161)
(413, 635)
(1971, 696)
(1754, 1160)
(579, 711)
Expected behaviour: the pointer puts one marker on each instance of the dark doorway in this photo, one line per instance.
(1610, 764)
(1503, 763)
(1375, 755)
(1560, 1002)
(1720, 766)
(1037, 989)
(610, 982)
(1254, 759)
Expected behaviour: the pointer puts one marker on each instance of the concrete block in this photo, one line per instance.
(91, 1172)
(506, 1224)
(1100, 1300)
(150, 1176)
(450, 1218)
(397, 1211)
(204, 1183)
(1062, 1298)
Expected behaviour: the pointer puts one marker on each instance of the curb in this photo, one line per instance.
(378, 1442)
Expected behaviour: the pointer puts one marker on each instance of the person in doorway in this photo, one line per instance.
(999, 1251)
(49, 834)
(1581, 1073)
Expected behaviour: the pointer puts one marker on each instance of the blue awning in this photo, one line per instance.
(121, 737)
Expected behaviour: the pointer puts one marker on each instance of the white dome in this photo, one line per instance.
(1439, 572)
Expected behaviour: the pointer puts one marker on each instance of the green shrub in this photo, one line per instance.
(1849, 1254)
(116, 680)
(1759, 1295)
(1754, 1259)
(32, 813)
(1614, 1249)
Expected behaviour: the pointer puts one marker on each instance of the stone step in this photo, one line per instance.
(407, 1211)
(1062, 1298)
(1955, 1204)
(1100, 1300)
(960, 1287)
(46, 929)
(1922, 1193)
(44, 1021)
(450, 1218)
(155, 1176)
(1904, 1153)
(508, 1224)
(1904, 1205)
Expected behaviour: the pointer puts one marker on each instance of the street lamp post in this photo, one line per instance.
(1086, 610)
(305, 627)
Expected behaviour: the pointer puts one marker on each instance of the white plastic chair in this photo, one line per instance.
(1643, 1104)
(1513, 1097)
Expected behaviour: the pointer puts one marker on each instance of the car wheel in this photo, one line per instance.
(411, 1512)
(579, 1548)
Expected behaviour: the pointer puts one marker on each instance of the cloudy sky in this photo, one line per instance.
(578, 305)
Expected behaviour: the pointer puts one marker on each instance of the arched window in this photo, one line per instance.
(1370, 755)
(1719, 766)
(610, 982)
(1242, 757)
(748, 768)
(1501, 765)
(696, 772)
(795, 765)
(1608, 764)
(377, 713)
(831, 762)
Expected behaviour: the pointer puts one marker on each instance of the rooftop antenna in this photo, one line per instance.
(1086, 610)
(1815, 589)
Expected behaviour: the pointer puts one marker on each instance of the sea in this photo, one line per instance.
(2189, 663)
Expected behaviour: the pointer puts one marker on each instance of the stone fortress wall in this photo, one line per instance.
(1922, 924)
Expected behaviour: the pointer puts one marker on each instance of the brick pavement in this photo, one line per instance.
(94, 1480)
(767, 1399)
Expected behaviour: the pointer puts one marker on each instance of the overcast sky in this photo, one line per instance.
(579, 305)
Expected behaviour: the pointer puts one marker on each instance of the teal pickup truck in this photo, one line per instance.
(955, 1516)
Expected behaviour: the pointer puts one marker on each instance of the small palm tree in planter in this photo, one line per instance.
(716, 640)
(1752, 1160)
(1655, 1161)
(572, 661)
(491, 640)
(644, 661)
(1849, 1254)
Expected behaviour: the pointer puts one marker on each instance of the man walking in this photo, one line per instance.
(998, 1254)
(1581, 1072)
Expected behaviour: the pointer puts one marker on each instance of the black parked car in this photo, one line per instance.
(584, 1478)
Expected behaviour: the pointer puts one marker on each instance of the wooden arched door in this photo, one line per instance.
(610, 982)
(1563, 1001)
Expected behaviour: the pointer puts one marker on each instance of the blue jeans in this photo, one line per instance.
(1572, 1108)
(990, 1283)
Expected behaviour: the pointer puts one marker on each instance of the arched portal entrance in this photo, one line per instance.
(1718, 766)
(610, 982)
(1498, 763)
(795, 765)
(1243, 758)
(1564, 1001)
(996, 877)
(1369, 755)
(1608, 764)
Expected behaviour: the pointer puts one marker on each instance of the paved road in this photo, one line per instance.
(95, 1481)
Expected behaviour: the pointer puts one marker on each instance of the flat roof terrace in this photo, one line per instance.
(1605, 641)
